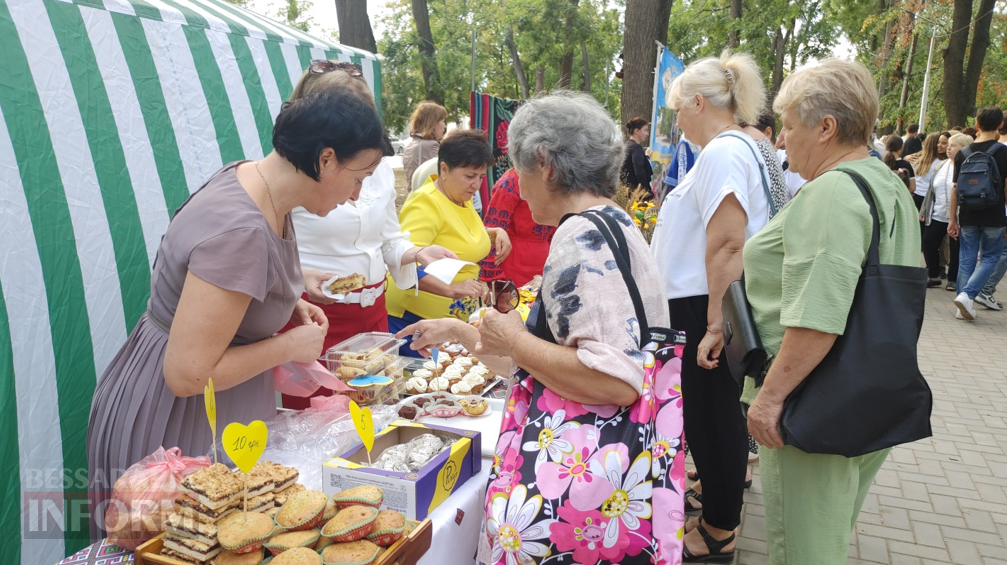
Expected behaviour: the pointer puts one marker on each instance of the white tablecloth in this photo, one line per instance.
(456, 523)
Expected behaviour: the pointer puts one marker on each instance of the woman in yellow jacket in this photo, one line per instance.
(441, 213)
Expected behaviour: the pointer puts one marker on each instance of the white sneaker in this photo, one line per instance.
(989, 302)
(958, 315)
(965, 306)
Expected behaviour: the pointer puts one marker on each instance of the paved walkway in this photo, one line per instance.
(943, 500)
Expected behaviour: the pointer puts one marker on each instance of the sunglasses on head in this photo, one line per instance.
(504, 295)
(320, 66)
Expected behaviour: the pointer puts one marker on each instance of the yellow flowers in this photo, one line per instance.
(644, 215)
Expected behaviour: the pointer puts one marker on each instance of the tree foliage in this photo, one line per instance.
(540, 34)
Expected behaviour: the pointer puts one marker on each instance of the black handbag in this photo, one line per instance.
(742, 344)
(867, 393)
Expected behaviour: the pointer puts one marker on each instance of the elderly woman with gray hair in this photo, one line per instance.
(801, 273)
(578, 362)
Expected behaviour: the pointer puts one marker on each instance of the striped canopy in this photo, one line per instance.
(111, 113)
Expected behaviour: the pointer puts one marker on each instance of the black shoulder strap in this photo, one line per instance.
(616, 240)
(873, 253)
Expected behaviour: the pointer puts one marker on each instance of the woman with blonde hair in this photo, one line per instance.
(702, 227)
(426, 129)
(801, 274)
(361, 238)
(935, 211)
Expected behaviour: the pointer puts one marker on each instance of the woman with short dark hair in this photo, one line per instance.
(441, 213)
(226, 279)
(636, 169)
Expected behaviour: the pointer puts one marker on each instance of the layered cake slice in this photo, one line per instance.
(179, 526)
(258, 485)
(191, 508)
(281, 476)
(214, 486)
(261, 503)
(281, 496)
(190, 549)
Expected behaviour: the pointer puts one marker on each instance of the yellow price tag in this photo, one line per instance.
(524, 310)
(364, 423)
(210, 399)
(245, 444)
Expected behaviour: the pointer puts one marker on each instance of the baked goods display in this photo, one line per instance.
(388, 528)
(442, 405)
(214, 496)
(289, 540)
(297, 556)
(363, 495)
(455, 371)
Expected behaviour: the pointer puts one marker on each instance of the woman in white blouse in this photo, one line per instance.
(934, 214)
(362, 237)
(701, 230)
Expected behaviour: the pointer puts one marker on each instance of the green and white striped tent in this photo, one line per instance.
(111, 113)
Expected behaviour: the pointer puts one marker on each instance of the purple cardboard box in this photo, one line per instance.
(414, 494)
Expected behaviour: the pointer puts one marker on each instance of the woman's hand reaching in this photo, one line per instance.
(431, 253)
(499, 332)
(313, 285)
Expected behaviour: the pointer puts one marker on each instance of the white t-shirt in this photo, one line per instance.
(941, 175)
(724, 167)
(923, 181)
(358, 237)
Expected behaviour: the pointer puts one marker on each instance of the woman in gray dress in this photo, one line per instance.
(227, 277)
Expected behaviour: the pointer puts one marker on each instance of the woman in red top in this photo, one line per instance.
(529, 241)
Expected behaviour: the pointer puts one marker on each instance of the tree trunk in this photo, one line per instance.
(540, 80)
(780, 42)
(734, 38)
(518, 67)
(907, 74)
(646, 25)
(587, 69)
(961, 82)
(355, 25)
(566, 61)
(428, 53)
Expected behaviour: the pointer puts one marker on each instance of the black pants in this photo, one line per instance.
(933, 236)
(715, 429)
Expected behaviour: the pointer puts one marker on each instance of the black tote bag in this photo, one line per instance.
(867, 393)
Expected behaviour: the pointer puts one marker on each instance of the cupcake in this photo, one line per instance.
(244, 532)
(463, 362)
(363, 495)
(461, 389)
(289, 540)
(232, 558)
(425, 374)
(431, 366)
(454, 371)
(330, 510)
(297, 556)
(440, 384)
(421, 401)
(323, 542)
(476, 382)
(416, 385)
(351, 524)
(388, 528)
(478, 370)
(302, 511)
(408, 412)
(360, 552)
(474, 405)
